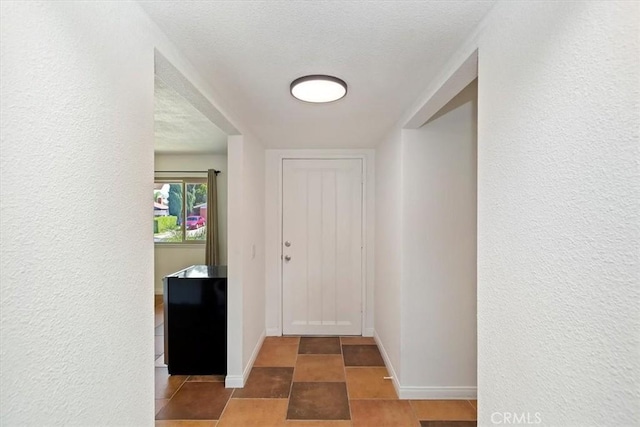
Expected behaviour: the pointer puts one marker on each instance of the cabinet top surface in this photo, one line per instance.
(201, 272)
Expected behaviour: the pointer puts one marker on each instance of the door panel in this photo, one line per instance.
(322, 221)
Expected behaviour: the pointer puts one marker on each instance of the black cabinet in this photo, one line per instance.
(195, 310)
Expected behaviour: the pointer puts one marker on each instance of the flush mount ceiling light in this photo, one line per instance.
(318, 88)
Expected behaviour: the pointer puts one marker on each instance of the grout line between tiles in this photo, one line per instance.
(296, 361)
(177, 389)
(380, 399)
(293, 374)
(415, 414)
(346, 383)
(225, 406)
(181, 384)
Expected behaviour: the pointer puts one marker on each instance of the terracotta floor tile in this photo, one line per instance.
(357, 341)
(266, 383)
(362, 355)
(382, 413)
(186, 423)
(292, 423)
(369, 383)
(282, 340)
(167, 385)
(448, 423)
(320, 390)
(160, 403)
(275, 354)
(444, 410)
(318, 401)
(319, 345)
(207, 378)
(196, 401)
(254, 412)
(319, 367)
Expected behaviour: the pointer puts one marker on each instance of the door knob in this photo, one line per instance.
(287, 258)
(287, 243)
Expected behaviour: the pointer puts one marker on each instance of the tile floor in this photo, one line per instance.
(301, 382)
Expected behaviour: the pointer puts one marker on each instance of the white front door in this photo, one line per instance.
(322, 247)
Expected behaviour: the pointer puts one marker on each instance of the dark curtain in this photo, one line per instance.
(212, 256)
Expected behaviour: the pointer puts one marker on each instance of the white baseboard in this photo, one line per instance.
(234, 381)
(438, 393)
(426, 393)
(238, 381)
(387, 362)
(274, 332)
(277, 332)
(254, 355)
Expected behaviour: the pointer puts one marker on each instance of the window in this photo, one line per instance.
(180, 210)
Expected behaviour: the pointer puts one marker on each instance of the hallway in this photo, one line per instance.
(304, 382)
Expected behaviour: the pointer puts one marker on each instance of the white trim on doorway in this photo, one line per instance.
(273, 230)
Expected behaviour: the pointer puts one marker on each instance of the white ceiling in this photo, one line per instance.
(181, 128)
(250, 51)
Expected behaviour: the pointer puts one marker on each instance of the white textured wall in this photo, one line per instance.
(439, 253)
(235, 269)
(77, 259)
(388, 243)
(558, 213)
(77, 142)
(171, 258)
(246, 295)
(253, 275)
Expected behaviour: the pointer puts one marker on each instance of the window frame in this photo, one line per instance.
(183, 181)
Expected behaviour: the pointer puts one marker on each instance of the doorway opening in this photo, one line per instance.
(190, 204)
(439, 241)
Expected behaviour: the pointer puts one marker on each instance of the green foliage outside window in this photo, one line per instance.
(200, 192)
(184, 198)
(175, 201)
(164, 223)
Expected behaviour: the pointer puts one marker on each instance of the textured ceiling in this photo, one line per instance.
(181, 128)
(250, 51)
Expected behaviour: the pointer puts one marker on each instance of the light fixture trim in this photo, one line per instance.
(333, 89)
